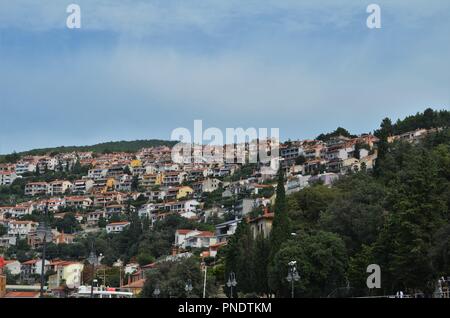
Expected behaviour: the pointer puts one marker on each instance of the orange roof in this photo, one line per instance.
(118, 223)
(136, 284)
(218, 245)
(205, 234)
(22, 294)
(183, 231)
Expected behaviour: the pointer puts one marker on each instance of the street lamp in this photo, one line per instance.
(188, 288)
(92, 259)
(156, 292)
(292, 276)
(231, 283)
(44, 233)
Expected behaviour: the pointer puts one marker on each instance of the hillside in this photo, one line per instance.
(112, 146)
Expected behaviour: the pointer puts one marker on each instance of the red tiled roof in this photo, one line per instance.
(183, 231)
(118, 223)
(22, 294)
(137, 284)
(205, 234)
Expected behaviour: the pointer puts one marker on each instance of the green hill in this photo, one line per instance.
(112, 146)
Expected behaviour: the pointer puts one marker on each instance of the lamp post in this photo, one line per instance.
(188, 288)
(92, 259)
(292, 276)
(44, 233)
(204, 280)
(231, 283)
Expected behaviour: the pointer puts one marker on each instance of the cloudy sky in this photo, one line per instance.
(139, 69)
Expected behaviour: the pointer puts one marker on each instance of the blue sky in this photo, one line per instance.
(139, 69)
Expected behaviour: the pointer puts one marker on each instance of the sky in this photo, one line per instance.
(140, 69)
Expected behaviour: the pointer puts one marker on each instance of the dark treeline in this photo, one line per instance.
(106, 147)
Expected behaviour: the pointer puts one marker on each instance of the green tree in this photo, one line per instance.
(239, 258)
(280, 232)
(321, 262)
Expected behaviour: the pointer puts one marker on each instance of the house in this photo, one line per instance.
(226, 229)
(97, 173)
(79, 202)
(13, 267)
(21, 210)
(244, 206)
(261, 225)
(24, 167)
(173, 178)
(94, 217)
(58, 187)
(296, 183)
(114, 209)
(83, 186)
(211, 184)
(46, 163)
(8, 240)
(201, 240)
(116, 227)
(36, 188)
(194, 238)
(32, 267)
(7, 178)
(21, 228)
(184, 192)
(67, 272)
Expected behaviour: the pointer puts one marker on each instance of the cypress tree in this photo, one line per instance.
(280, 233)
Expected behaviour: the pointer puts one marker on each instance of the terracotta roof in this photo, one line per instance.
(218, 245)
(137, 284)
(205, 234)
(183, 231)
(22, 294)
(118, 223)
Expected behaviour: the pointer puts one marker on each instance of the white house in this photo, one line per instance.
(24, 166)
(68, 272)
(21, 227)
(211, 184)
(7, 178)
(83, 186)
(116, 227)
(13, 267)
(194, 238)
(35, 188)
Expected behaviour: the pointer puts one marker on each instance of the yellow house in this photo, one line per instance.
(136, 163)
(184, 192)
(66, 271)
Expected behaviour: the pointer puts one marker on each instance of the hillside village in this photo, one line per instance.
(87, 195)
